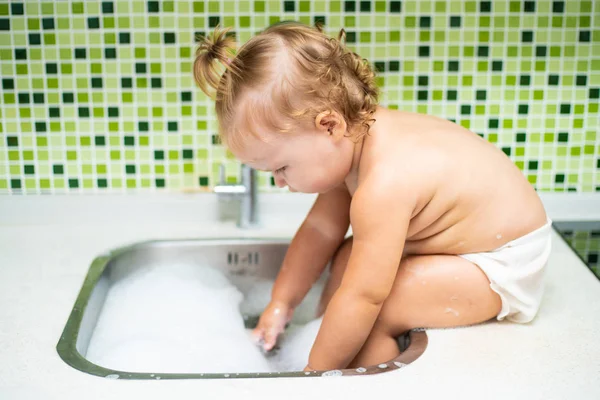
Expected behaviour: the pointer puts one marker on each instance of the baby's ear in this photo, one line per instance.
(331, 123)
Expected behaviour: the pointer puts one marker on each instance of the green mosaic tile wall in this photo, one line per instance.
(587, 244)
(97, 96)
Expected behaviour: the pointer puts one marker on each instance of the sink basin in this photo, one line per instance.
(243, 261)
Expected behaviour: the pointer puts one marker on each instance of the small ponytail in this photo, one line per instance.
(213, 49)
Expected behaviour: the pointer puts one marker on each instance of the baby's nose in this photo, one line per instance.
(279, 182)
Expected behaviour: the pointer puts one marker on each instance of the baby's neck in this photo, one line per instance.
(356, 154)
(360, 144)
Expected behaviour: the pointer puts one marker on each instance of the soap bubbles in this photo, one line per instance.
(182, 318)
(173, 318)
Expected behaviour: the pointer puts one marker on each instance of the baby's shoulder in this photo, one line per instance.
(408, 121)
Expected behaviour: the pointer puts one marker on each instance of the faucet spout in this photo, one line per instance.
(249, 204)
(246, 192)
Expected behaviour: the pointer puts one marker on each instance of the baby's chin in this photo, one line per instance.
(304, 191)
(325, 190)
(316, 188)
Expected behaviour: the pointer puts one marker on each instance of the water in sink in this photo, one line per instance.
(188, 318)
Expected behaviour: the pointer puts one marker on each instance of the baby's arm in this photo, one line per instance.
(313, 246)
(380, 216)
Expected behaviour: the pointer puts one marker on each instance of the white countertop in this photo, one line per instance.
(48, 242)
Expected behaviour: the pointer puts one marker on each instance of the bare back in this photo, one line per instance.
(470, 195)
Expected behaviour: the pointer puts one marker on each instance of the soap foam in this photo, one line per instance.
(295, 345)
(186, 319)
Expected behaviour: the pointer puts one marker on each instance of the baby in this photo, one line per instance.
(446, 230)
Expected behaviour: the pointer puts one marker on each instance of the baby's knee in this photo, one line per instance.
(397, 314)
(394, 320)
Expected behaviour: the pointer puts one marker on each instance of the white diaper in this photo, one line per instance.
(516, 272)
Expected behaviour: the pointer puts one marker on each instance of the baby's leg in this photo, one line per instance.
(430, 291)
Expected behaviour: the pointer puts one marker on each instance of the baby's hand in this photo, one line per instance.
(272, 323)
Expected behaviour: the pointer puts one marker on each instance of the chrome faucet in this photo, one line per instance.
(246, 192)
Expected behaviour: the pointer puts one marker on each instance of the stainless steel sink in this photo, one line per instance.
(243, 261)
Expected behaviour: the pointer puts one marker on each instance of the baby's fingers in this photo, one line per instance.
(258, 334)
(270, 339)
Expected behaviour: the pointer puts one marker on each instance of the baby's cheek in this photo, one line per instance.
(308, 181)
(299, 181)
(318, 184)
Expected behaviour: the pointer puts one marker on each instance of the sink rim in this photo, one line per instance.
(67, 343)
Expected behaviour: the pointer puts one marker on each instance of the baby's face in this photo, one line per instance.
(306, 160)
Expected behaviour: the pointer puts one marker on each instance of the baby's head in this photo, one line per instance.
(292, 101)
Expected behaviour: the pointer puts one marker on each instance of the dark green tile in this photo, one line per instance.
(153, 6)
(17, 9)
(93, 23)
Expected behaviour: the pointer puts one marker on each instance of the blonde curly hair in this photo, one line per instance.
(288, 73)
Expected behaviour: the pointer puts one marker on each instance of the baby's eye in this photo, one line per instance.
(280, 170)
